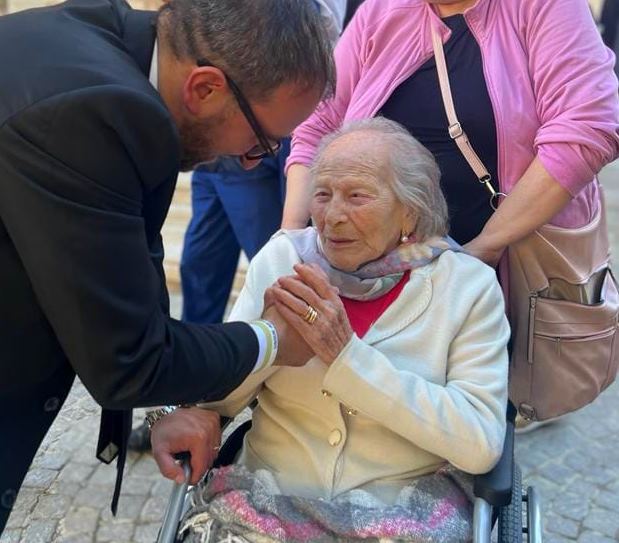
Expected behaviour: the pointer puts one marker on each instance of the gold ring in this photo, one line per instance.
(311, 315)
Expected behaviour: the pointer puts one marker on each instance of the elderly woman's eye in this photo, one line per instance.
(321, 194)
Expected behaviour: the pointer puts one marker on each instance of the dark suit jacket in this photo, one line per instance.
(89, 156)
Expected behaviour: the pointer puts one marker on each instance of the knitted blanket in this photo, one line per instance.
(236, 506)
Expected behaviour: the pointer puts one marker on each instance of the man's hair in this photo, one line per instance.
(414, 175)
(260, 44)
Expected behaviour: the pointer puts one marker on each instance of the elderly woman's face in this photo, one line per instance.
(356, 213)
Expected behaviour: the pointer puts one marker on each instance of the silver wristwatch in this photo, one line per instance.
(156, 414)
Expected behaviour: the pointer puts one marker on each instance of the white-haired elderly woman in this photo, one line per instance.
(406, 389)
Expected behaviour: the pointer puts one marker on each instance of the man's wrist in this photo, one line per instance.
(268, 343)
(155, 415)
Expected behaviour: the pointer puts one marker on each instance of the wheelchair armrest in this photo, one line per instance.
(232, 445)
(496, 486)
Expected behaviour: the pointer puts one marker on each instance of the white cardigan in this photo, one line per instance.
(427, 383)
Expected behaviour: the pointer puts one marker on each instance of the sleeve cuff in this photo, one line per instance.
(566, 166)
(266, 334)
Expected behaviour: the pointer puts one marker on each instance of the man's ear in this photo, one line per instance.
(205, 90)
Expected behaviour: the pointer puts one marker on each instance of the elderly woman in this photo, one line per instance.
(406, 387)
(534, 90)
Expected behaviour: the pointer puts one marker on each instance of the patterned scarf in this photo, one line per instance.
(375, 278)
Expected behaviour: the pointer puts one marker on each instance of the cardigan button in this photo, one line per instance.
(335, 438)
(350, 411)
(326, 393)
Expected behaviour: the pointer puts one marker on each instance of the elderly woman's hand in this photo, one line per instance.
(331, 330)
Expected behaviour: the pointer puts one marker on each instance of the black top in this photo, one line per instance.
(417, 105)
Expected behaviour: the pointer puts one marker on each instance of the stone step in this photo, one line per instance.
(179, 213)
(182, 193)
(172, 272)
(173, 233)
(174, 230)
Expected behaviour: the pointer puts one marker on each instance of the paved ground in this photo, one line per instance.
(65, 498)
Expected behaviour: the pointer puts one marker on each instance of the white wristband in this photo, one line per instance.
(267, 343)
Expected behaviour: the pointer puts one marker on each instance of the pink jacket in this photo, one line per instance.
(549, 76)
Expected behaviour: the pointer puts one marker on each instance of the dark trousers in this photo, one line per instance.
(233, 209)
(25, 418)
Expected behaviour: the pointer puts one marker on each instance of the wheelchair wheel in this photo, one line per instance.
(510, 516)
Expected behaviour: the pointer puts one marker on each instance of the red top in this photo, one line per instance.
(364, 314)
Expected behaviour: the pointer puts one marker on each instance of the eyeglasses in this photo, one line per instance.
(266, 147)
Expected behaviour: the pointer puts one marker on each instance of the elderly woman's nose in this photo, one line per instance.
(335, 211)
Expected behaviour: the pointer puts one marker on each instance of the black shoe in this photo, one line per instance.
(139, 440)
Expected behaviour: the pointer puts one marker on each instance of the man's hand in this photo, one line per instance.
(292, 350)
(194, 430)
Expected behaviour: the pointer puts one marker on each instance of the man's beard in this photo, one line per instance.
(196, 144)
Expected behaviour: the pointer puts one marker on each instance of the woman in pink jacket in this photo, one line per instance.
(534, 90)
(533, 87)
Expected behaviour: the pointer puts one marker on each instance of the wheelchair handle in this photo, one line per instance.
(184, 456)
(174, 510)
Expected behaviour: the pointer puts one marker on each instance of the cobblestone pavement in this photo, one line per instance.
(574, 464)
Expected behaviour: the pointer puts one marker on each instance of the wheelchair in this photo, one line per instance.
(499, 496)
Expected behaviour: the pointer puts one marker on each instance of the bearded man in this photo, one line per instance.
(100, 107)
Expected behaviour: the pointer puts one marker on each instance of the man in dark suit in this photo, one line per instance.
(100, 106)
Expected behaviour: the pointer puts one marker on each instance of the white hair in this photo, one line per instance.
(414, 174)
